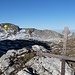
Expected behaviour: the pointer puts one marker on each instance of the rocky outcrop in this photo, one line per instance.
(23, 61)
(14, 60)
(6, 45)
(12, 29)
(17, 63)
(47, 66)
(8, 62)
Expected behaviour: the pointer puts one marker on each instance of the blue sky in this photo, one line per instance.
(40, 14)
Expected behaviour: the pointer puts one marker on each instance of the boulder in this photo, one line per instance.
(48, 66)
(8, 59)
(38, 48)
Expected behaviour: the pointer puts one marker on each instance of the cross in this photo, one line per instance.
(65, 37)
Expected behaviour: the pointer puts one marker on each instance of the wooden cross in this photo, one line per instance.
(65, 37)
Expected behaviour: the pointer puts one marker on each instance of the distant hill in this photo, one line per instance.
(15, 32)
(42, 33)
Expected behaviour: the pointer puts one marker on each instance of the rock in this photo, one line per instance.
(8, 54)
(24, 72)
(21, 51)
(38, 48)
(36, 66)
(9, 70)
(47, 66)
(7, 61)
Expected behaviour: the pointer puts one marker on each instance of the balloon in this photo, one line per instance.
(6, 27)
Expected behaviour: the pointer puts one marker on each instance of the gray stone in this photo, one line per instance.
(38, 48)
(48, 66)
(24, 72)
